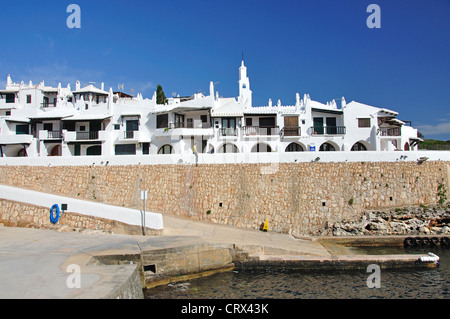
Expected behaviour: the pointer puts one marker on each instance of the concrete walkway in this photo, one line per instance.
(34, 263)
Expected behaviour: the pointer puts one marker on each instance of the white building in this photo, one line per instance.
(36, 120)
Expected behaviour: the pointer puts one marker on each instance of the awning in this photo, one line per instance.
(17, 119)
(129, 114)
(387, 112)
(87, 117)
(53, 114)
(9, 91)
(328, 111)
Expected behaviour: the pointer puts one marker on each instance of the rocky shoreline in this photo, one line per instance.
(399, 221)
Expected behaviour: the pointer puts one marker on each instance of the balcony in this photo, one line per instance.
(128, 135)
(75, 136)
(16, 139)
(123, 136)
(394, 131)
(327, 130)
(50, 135)
(87, 136)
(195, 128)
(47, 104)
(288, 131)
(260, 130)
(195, 124)
(228, 131)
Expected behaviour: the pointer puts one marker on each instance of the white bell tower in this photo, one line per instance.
(245, 94)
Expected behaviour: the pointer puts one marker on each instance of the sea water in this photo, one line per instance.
(432, 283)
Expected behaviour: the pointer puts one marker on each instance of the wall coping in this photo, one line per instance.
(236, 158)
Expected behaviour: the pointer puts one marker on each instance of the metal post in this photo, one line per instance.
(143, 228)
(143, 197)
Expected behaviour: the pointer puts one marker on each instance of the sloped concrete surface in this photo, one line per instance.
(35, 263)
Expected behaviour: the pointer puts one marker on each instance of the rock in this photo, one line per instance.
(407, 221)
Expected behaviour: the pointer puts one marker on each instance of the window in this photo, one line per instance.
(116, 127)
(162, 121)
(82, 128)
(327, 147)
(145, 148)
(249, 121)
(318, 125)
(45, 102)
(125, 149)
(228, 148)
(228, 127)
(364, 122)
(132, 125)
(7, 113)
(267, 122)
(10, 97)
(179, 120)
(359, 147)
(331, 125)
(94, 150)
(28, 99)
(48, 126)
(261, 147)
(22, 129)
(165, 149)
(77, 149)
(294, 147)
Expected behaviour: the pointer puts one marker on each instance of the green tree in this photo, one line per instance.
(160, 96)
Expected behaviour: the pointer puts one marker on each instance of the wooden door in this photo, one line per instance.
(291, 126)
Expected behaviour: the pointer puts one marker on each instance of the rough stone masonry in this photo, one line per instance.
(296, 198)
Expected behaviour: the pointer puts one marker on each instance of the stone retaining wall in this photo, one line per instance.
(295, 197)
(16, 214)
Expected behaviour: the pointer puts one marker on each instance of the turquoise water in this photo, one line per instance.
(349, 284)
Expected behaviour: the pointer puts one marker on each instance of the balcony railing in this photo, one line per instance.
(291, 131)
(328, 130)
(54, 134)
(47, 104)
(394, 131)
(224, 131)
(259, 130)
(195, 124)
(87, 135)
(128, 134)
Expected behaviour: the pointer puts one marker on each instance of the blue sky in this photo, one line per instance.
(323, 48)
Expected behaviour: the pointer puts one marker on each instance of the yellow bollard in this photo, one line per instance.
(266, 226)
